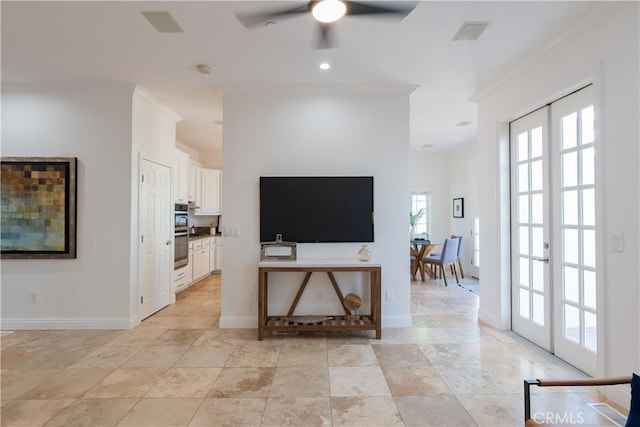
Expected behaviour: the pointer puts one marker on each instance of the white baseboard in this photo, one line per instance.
(403, 321)
(57, 324)
(238, 322)
(489, 318)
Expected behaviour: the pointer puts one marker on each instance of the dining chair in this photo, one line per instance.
(459, 260)
(445, 258)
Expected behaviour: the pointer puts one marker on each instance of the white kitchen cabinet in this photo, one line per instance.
(218, 245)
(200, 259)
(194, 184)
(181, 177)
(181, 278)
(215, 254)
(210, 192)
(212, 255)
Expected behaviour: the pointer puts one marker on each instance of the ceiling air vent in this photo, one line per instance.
(471, 30)
(163, 21)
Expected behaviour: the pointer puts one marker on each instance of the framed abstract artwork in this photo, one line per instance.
(458, 208)
(38, 207)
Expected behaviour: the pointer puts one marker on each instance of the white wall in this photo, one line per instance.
(94, 125)
(429, 171)
(315, 131)
(606, 52)
(153, 137)
(464, 182)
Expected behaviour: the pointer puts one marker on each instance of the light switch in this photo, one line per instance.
(616, 242)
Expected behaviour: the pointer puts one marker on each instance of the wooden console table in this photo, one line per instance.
(371, 322)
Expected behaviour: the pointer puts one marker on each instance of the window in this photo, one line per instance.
(422, 201)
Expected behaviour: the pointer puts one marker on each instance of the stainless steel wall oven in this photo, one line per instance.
(181, 236)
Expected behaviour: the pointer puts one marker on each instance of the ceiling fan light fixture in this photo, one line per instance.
(329, 10)
(325, 66)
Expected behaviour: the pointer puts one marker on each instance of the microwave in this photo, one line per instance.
(181, 217)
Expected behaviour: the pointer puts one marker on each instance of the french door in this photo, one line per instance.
(554, 229)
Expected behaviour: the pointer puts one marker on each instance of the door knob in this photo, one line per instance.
(168, 242)
(545, 259)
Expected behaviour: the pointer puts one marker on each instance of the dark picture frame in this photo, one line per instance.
(38, 199)
(458, 207)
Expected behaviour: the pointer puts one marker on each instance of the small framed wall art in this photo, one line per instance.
(38, 203)
(458, 208)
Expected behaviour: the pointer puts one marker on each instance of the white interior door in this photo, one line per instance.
(530, 228)
(574, 236)
(156, 250)
(554, 234)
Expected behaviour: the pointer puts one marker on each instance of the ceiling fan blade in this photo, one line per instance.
(251, 20)
(325, 41)
(399, 9)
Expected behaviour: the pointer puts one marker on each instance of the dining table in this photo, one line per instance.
(419, 249)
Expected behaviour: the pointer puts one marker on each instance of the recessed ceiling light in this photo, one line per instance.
(427, 145)
(463, 123)
(203, 69)
(325, 66)
(163, 22)
(471, 30)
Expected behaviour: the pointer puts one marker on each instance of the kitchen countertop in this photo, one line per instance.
(199, 236)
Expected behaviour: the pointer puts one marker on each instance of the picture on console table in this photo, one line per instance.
(317, 209)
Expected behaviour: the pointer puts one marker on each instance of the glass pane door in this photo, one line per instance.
(531, 299)
(575, 238)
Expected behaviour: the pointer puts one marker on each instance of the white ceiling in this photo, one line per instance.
(63, 41)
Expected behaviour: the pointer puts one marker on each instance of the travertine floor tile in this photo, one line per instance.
(300, 382)
(16, 356)
(31, 413)
(220, 337)
(466, 379)
(178, 337)
(184, 383)
(161, 413)
(494, 410)
(297, 411)
(365, 411)
(66, 384)
(126, 383)
(107, 357)
(351, 355)
(433, 411)
(229, 412)
(15, 382)
(254, 356)
(414, 380)
(399, 355)
(358, 382)
(296, 356)
(156, 356)
(243, 382)
(205, 356)
(93, 412)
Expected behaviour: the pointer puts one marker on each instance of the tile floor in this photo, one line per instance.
(178, 369)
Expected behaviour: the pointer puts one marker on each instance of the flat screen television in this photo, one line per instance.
(317, 209)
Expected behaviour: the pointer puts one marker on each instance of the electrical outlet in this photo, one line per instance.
(389, 295)
(35, 297)
(318, 296)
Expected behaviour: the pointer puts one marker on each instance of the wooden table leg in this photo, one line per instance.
(376, 303)
(262, 303)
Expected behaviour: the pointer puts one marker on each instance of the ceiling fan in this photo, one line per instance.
(327, 12)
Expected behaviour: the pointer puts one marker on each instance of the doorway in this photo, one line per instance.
(553, 228)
